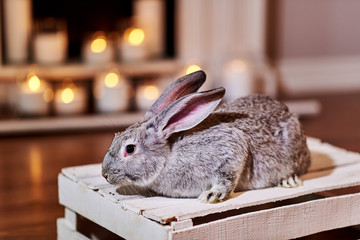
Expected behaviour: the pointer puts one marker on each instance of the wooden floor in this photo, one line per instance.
(29, 166)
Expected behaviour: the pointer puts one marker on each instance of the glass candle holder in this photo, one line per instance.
(70, 99)
(112, 92)
(98, 49)
(132, 45)
(34, 95)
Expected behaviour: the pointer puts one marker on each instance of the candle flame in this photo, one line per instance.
(67, 95)
(192, 68)
(34, 83)
(135, 36)
(151, 92)
(111, 80)
(98, 45)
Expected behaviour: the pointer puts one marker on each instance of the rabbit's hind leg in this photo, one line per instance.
(213, 196)
(291, 182)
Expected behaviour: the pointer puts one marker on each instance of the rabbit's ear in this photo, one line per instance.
(181, 87)
(187, 112)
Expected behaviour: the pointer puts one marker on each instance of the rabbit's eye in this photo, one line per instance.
(130, 149)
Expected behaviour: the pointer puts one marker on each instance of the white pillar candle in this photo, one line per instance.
(132, 46)
(50, 48)
(111, 92)
(70, 100)
(238, 79)
(34, 96)
(99, 50)
(17, 28)
(149, 16)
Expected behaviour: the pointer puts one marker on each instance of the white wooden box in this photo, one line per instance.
(272, 213)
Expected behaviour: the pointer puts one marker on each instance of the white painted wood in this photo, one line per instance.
(307, 76)
(281, 223)
(92, 205)
(176, 226)
(71, 218)
(69, 123)
(80, 173)
(66, 232)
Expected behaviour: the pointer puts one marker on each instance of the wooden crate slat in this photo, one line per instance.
(93, 206)
(281, 223)
(96, 182)
(82, 172)
(143, 205)
(110, 193)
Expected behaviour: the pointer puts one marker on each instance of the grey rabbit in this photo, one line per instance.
(188, 146)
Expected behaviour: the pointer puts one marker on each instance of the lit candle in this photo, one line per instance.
(132, 45)
(146, 96)
(98, 50)
(111, 92)
(34, 96)
(70, 100)
(238, 79)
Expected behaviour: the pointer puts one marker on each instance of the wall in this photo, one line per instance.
(315, 44)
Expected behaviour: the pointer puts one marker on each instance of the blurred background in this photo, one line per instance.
(74, 72)
(70, 58)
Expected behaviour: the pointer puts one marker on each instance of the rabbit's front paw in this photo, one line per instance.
(212, 196)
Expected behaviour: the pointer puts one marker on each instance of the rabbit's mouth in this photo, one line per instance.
(111, 177)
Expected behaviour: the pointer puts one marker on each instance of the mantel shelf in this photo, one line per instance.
(82, 71)
(68, 123)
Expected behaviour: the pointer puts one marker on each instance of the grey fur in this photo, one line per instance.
(252, 142)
